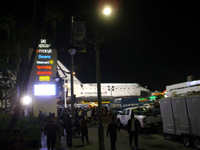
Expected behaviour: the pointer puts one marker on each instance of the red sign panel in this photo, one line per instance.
(44, 67)
(44, 72)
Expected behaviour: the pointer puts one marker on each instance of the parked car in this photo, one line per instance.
(146, 117)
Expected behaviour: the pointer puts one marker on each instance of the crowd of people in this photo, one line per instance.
(55, 126)
(62, 125)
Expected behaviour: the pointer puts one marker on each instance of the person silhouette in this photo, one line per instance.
(68, 127)
(51, 129)
(112, 129)
(84, 129)
(133, 128)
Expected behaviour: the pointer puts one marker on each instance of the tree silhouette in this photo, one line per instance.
(53, 14)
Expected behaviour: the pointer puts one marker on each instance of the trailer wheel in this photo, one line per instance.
(197, 143)
(186, 141)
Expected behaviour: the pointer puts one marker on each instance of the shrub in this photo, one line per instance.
(30, 127)
(4, 122)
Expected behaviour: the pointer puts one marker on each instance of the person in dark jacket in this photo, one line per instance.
(112, 129)
(60, 125)
(51, 129)
(84, 129)
(133, 128)
(77, 126)
(69, 129)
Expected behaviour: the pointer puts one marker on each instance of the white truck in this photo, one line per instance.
(181, 118)
(146, 117)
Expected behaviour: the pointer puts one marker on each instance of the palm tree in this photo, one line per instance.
(53, 15)
(18, 42)
(8, 23)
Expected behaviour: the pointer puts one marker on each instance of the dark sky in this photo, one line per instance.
(154, 43)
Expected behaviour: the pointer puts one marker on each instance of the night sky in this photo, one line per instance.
(154, 43)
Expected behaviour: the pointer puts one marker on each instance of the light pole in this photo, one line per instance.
(57, 78)
(65, 92)
(72, 51)
(98, 78)
(106, 11)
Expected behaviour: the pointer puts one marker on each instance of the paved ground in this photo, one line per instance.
(76, 141)
(149, 141)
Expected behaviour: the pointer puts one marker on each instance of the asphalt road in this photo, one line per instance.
(149, 140)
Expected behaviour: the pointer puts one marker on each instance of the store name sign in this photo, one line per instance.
(44, 56)
(44, 72)
(44, 78)
(45, 62)
(44, 67)
(44, 51)
(43, 44)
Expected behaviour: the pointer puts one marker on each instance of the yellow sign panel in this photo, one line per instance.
(44, 78)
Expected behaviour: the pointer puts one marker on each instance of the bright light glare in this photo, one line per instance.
(27, 100)
(44, 89)
(107, 11)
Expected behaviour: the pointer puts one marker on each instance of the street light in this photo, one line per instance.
(107, 11)
(26, 100)
(27, 103)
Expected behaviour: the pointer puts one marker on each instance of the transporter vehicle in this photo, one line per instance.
(146, 117)
(181, 118)
(117, 105)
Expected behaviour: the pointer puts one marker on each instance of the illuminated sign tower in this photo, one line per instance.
(42, 86)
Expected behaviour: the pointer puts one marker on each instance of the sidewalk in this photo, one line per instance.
(76, 141)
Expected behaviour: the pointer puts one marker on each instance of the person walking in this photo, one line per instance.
(106, 110)
(51, 129)
(68, 128)
(60, 125)
(133, 128)
(76, 114)
(112, 129)
(89, 114)
(54, 117)
(77, 126)
(79, 114)
(84, 129)
(40, 116)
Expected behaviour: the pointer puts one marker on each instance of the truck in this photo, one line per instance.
(119, 104)
(181, 118)
(146, 117)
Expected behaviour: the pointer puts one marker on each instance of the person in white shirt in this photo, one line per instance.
(89, 114)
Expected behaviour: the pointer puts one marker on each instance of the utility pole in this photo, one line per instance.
(98, 78)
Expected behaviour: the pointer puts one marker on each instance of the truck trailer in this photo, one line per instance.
(181, 118)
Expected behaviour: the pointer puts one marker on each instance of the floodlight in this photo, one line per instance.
(26, 100)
